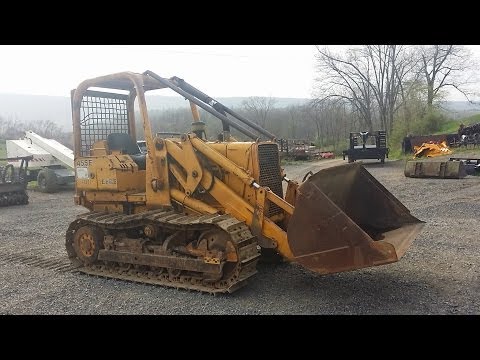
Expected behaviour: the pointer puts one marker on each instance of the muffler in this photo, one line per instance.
(344, 219)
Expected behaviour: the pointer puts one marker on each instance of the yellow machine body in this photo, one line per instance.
(339, 219)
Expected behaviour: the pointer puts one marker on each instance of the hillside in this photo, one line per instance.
(460, 109)
(451, 127)
(27, 108)
(57, 108)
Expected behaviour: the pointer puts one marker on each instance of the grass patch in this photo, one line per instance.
(396, 154)
(463, 149)
(451, 126)
(32, 185)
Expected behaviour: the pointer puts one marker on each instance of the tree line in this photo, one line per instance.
(14, 128)
(325, 123)
(397, 88)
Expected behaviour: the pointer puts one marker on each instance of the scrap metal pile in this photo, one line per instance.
(431, 149)
(299, 149)
(471, 131)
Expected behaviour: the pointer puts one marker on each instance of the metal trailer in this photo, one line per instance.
(367, 145)
(52, 163)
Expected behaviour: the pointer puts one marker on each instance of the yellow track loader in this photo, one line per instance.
(198, 214)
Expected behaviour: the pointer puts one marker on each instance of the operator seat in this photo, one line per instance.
(126, 145)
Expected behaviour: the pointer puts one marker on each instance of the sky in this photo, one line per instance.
(217, 70)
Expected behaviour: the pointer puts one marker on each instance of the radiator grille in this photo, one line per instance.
(269, 162)
(101, 114)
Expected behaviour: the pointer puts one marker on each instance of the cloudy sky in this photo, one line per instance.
(220, 70)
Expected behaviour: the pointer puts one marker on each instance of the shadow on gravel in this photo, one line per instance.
(360, 292)
(387, 164)
(61, 189)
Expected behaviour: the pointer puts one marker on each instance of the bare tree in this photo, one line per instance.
(314, 111)
(331, 121)
(293, 120)
(11, 128)
(446, 66)
(347, 77)
(259, 107)
(393, 78)
(370, 78)
(45, 128)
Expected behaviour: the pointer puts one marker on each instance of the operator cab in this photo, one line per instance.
(126, 145)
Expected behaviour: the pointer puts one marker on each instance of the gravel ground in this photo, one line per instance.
(439, 274)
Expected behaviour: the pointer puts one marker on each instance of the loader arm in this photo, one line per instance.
(269, 234)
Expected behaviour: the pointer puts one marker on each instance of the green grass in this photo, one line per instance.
(396, 154)
(32, 185)
(451, 126)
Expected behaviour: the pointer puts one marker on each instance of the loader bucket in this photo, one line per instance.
(435, 169)
(344, 219)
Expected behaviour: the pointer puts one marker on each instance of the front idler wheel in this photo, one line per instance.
(87, 242)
